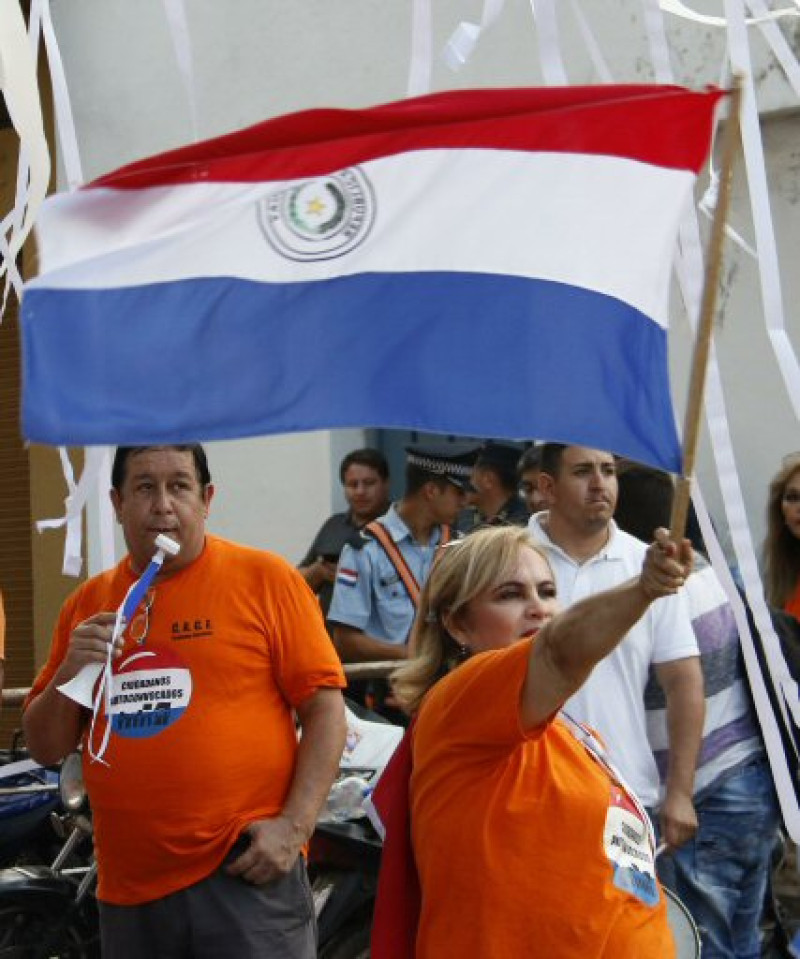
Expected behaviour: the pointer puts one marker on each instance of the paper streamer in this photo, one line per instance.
(766, 244)
(591, 44)
(65, 123)
(778, 43)
(679, 9)
(92, 490)
(20, 88)
(420, 67)
(689, 267)
(14, 280)
(14, 220)
(461, 45)
(77, 495)
(708, 202)
(552, 63)
(179, 31)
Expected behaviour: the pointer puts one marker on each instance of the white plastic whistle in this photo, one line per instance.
(81, 687)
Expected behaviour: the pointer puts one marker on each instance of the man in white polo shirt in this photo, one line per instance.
(589, 554)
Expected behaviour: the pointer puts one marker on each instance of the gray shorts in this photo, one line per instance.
(221, 917)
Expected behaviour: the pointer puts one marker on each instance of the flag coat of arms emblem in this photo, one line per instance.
(485, 263)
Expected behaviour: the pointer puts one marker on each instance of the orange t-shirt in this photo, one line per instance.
(793, 602)
(203, 738)
(524, 844)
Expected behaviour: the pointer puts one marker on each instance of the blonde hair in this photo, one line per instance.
(463, 570)
(781, 547)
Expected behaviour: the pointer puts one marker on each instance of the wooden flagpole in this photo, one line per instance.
(702, 347)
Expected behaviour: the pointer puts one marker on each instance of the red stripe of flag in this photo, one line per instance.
(664, 125)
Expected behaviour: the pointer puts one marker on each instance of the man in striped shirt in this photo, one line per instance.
(721, 873)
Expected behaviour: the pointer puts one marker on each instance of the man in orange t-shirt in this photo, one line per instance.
(205, 799)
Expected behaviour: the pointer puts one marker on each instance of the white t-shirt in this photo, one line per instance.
(611, 701)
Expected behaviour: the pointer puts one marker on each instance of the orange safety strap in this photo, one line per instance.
(396, 558)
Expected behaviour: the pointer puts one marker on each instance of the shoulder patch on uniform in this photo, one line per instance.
(347, 577)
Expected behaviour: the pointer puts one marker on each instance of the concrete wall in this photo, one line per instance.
(257, 58)
(275, 491)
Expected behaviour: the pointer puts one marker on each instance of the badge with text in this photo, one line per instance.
(150, 691)
(626, 840)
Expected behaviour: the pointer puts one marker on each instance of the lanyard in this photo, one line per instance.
(396, 558)
(599, 753)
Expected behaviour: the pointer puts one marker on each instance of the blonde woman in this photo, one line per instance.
(782, 544)
(526, 841)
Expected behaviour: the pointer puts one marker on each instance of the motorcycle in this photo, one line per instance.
(49, 911)
(344, 859)
(345, 850)
(28, 797)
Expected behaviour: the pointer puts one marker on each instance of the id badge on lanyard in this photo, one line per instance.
(629, 839)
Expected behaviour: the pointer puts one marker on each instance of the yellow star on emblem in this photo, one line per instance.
(315, 207)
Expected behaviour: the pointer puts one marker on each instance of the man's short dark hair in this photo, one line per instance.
(531, 459)
(372, 458)
(124, 453)
(645, 503)
(551, 458)
(645, 500)
(416, 478)
(506, 475)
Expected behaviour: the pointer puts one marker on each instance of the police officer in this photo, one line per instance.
(380, 574)
(365, 479)
(494, 500)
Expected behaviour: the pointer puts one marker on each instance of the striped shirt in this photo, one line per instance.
(731, 735)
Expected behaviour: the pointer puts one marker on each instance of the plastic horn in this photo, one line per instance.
(80, 688)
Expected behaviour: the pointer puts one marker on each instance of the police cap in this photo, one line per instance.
(452, 461)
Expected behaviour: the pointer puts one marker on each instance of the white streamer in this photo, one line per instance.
(659, 55)
(553, 70)
(461, 45)
(657, 41)
(689, 268)
(592, 47)
(733, 500)
(95, 478)
(760, 205)
(708, 202)
(679, 9)
(77, 497)
(181, 41)
(13, 222)
(777, 41)
(420, 68)
(65, 122)
(708, 205)
(9, 262)
(20, 88)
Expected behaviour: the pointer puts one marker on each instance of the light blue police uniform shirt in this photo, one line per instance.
(369, 594)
